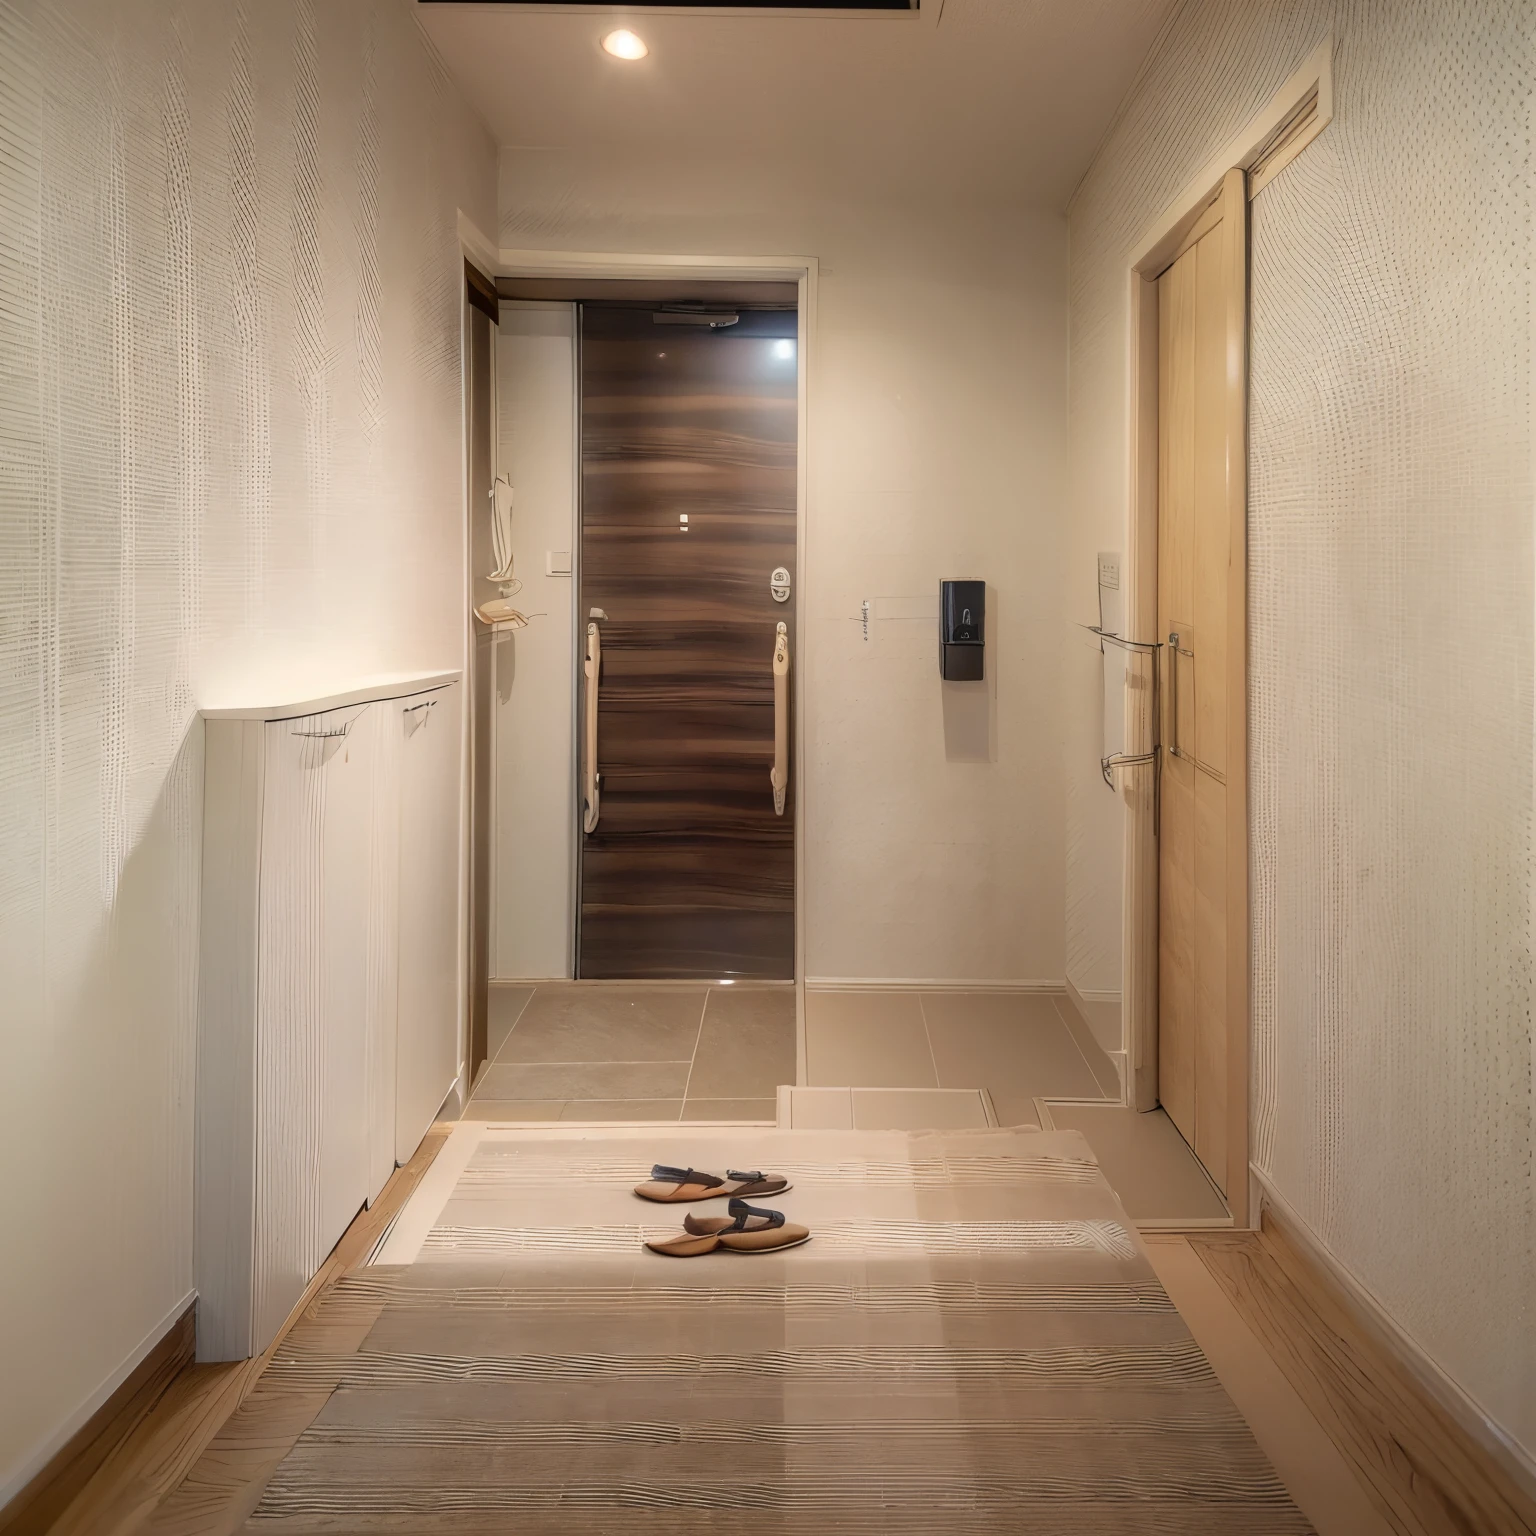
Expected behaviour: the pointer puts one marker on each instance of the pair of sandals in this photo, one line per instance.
(747, 1229)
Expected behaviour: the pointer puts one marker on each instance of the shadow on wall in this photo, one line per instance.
(970, 709)
(504, 660)
(121, 1032)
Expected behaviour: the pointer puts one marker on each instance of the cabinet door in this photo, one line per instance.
(311, 1117)
(428, 1031)
(381, 890)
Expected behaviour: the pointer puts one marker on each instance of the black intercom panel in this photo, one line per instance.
(962, 630)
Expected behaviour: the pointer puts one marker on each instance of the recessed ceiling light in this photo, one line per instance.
(623, 44)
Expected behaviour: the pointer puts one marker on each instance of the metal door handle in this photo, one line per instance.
(1174, 652)
(591, 793)
(779, 777)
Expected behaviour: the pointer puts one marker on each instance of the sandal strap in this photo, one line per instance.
(744, 1178)
(744, 1212)
(665, 1175)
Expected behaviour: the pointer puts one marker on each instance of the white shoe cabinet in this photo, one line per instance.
(328, 1018)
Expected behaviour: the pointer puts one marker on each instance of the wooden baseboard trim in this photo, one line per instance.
(1429, 1466)
(44, 1497)
(1506, 1465)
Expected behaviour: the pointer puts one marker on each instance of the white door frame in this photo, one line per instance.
(803, 271)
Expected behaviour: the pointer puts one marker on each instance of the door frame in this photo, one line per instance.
(1298, 111)
(803, 271)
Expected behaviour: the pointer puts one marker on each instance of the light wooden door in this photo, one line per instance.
(1201, 555)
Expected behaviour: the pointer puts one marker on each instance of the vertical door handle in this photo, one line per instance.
(779, 777)
(1173, 693)
(592, 790)
(1175, 650)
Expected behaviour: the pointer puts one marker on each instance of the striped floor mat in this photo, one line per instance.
(972, 1342)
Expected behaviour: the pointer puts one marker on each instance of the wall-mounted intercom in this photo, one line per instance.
(962, 615)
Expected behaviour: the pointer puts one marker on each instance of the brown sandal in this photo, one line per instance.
(676, 1185)
(748, 1229)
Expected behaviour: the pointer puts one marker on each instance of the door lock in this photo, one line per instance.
(778, 585)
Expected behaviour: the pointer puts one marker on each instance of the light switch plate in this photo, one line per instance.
(1109, 569)
(557, 562)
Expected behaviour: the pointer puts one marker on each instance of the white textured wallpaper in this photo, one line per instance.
(1391, 626)
(230, 467)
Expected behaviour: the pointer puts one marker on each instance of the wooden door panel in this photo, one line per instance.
(1176, 431)
(724, 661)
(689, 871)
(673, 876)
(710, 575)
(1209, 946)
(1200, 795)
(1193, 573)
(1176, 961)
(1210, 520)
(1176, 978)
(667, 942)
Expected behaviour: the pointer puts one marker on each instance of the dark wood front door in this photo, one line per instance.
(688, 457)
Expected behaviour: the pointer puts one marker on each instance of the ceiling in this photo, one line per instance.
(1005, 99)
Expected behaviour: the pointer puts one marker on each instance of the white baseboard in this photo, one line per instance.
(928, 984)
(1117, 1060)
(1090, 996)
(42, 1454)
(1436, 1383)
(457, 1096)
(1101, 1012)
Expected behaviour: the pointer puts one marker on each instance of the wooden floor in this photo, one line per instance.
(206, 1448)
(1423, 1473)
(199, 1461)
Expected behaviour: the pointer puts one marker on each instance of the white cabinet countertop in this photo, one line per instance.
(391, 685)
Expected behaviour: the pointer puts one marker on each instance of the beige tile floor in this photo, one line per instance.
(883, 1109)
(1017, 1046)
(611, 1051)
(1148, 1164)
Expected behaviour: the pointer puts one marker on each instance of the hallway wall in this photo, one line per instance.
(231, 468)
(534, 813)
(932, 823)
(1391, 619)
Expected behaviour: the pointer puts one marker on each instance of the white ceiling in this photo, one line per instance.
(1002, 98)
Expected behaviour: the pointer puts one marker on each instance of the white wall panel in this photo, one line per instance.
(1391, 617)
(534, 774)
(230, 467)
